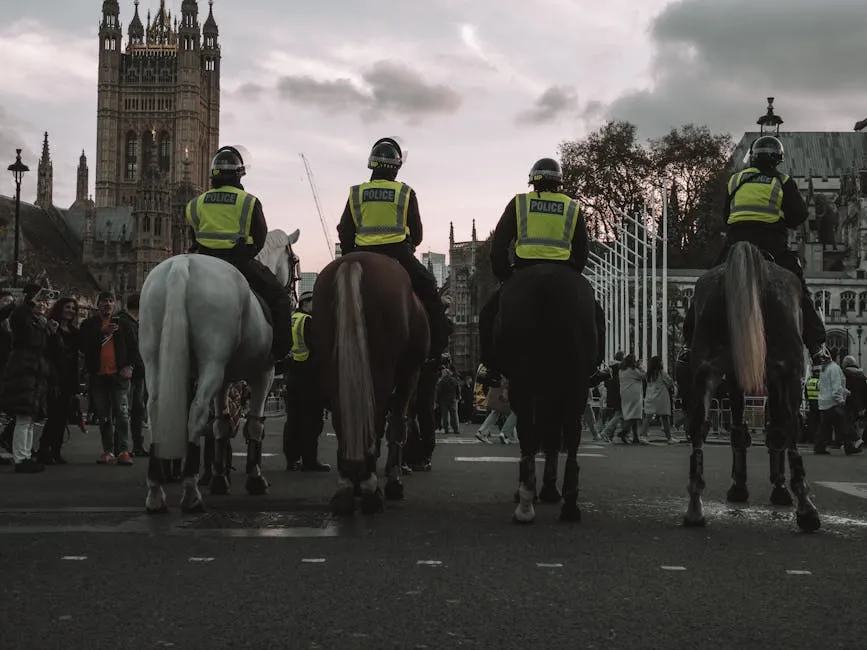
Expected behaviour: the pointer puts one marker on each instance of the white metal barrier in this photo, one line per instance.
(275, 407)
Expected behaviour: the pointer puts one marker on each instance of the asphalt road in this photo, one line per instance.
(82, 566)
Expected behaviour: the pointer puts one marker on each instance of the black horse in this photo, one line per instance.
(747, 330)
(545, 340)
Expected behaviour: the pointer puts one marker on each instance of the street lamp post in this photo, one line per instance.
(858, 331)
(18, 170)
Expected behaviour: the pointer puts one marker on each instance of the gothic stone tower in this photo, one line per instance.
(158, 112)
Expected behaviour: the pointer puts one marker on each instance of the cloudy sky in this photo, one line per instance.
(476, 89)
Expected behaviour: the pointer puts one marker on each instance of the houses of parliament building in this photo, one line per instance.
(158, 120)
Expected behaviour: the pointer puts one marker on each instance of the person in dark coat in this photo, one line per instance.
(27, 375)
(63, 354)
(305, 399)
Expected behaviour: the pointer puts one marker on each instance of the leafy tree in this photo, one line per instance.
(606, 172)
(610, 170)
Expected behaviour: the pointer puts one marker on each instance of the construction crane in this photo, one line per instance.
(318, 204)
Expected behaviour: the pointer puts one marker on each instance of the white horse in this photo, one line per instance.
(201, 322)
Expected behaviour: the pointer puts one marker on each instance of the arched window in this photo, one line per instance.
(822, 300)
(847, 302)
(131, 156)
(146, 223)
(158, 227)
(165, 152)
(862, 302)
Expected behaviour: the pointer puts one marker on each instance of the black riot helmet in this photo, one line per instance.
(766, 152)
(228, 163)
(546, 174)
(385, 154)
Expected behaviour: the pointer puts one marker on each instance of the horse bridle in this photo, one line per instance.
(294, 275)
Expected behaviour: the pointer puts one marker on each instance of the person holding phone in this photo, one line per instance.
(110, 353)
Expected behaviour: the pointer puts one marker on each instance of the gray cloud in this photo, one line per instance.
(391, 87)
(716, 61)
(553, 103)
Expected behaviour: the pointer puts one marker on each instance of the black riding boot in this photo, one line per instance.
(281, 312)
(487, 317)
(600, 334)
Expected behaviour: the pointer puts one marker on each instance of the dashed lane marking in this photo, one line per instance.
(429, 562)
(545, 565)
(510, 459)
(201, 559)
(313, 560)
(852, 489)
(798, 572)
(665, 567)
(243, 454)
(77, 558)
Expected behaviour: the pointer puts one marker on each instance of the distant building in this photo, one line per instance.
(337, 251)
(436, 264)
(308, 279)
(462, 297)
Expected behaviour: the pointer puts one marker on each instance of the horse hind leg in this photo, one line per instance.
(740, 441)
(524, 404)
(396, 432)
(222, 434)
(697, 429)
(155, 502)
(254, 432)
(572, 420)
(553, 427)
(209, 384)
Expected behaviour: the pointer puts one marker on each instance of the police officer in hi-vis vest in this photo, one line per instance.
(382, 216)
(547, 227)
(762, 204)
(811, 393)
(228, 222)
(305, 401)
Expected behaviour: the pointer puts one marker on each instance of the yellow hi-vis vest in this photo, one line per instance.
(760, 198)
(379, 210)
(813, 389)
(221, 218)
(546, 224)
(299, 351)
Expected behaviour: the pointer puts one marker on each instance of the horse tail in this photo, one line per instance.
(174, 365)
(745, 276)
(355, 383)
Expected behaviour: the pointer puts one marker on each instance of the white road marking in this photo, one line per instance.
(201, 559)
(313, 560)
(543, 565)
(665, 567)
(243, 454)
(510, 459)
(852, 489)
(74, 557)
(429, 562)
(798, 572)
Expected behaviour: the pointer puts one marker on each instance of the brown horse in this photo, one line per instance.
(370, 339)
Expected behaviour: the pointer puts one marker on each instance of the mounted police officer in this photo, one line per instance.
(762, 204)
(548, 228)
(228, 222)
(382, 216)
(305, 401)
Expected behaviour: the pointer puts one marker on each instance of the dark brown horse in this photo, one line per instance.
(371, 339)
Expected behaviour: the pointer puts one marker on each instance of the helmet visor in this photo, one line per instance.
(241, 150)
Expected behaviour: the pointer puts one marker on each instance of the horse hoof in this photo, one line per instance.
(780, 496)
(523, 518)
(691, 522)
(549, 493)
(256, 485)
(808, 521)
(205, 479)
(343, 503)
(393, 491)
(219, 485)
(372, 502)
(570, 512)
(157, 510)
(738, 494)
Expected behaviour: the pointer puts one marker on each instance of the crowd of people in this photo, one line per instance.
(50, 350)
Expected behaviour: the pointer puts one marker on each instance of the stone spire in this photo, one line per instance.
(45, 179)
(82, 179)
(451, 233)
